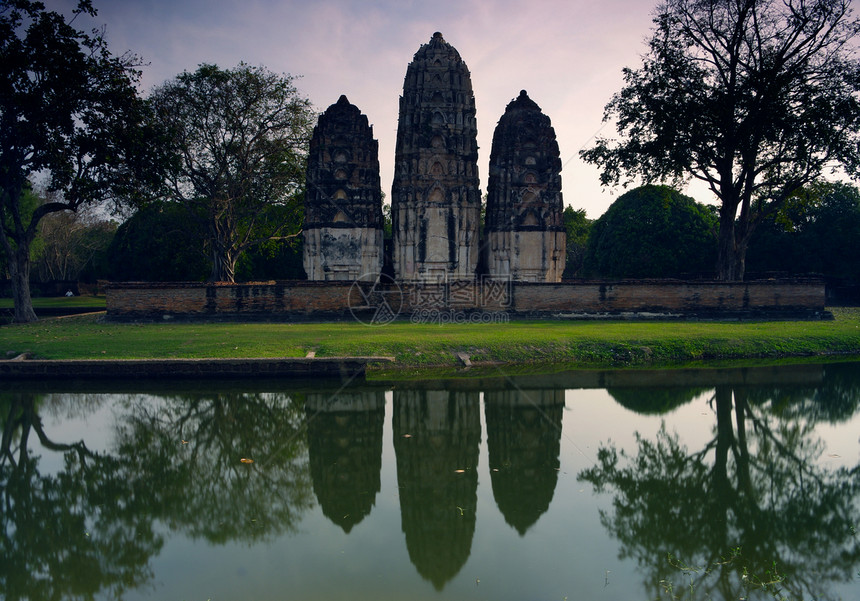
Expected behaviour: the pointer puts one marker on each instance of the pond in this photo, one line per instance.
(693, 484)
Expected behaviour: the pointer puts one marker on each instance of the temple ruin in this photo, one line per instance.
(343, 206)
(435, 197)
(524, 230)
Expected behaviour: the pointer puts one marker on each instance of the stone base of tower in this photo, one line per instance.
(436, 244)
(343, 253)
(526, 256)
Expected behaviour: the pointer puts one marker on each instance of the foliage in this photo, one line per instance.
(279, 258)
(651, 232)
(28, 202)
(72, 245)
(68, 109)
(815, 232)
(240, 140)
(753, 97)
(577, 226)
(161, 242)
(272, 260)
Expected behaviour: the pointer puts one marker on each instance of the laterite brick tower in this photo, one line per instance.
(524, 232)
(436, 200)
(343, 204)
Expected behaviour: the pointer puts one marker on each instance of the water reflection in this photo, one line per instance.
(751, 501)
(345, 452)
(523, 440)
(218, 466)
(751, 508)
(436, 438)
(75, 533)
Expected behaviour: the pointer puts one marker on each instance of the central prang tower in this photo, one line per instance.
(435, 198)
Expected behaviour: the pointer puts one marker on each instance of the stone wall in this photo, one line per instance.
(302, 300)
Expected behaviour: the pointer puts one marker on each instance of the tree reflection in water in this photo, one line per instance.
(91, 524)
(89, 528)
(754, 505)
(192, 447)
(72, 534)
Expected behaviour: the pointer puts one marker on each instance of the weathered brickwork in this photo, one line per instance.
(306, 300)
(524, 231)
(343, 203)
(435, 197)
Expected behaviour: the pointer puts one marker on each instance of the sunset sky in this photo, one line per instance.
(568, 55)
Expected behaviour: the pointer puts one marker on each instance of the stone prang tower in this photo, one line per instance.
(435, 197)
(524, 231)
(343, 203)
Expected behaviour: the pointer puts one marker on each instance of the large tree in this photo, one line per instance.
(69, 110)
(241, 137)
(756, 98)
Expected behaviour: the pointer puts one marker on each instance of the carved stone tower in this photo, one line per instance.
(435, 198)
(524, 230)
(343, 202)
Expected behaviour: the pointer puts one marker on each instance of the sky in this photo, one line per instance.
(567, 54)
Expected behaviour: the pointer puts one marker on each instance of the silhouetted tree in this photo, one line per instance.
(69, 109)
(753, 97)
(161, 242)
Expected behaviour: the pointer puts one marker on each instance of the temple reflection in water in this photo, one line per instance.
(524, 440)
(436, 440)
(345, 453)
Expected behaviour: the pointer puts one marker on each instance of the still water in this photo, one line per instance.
(706, 484)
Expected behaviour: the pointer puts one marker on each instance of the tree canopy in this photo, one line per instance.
(240, 138)
(815, 232)
(69, 110)
(756, 98)
(577, 227)
(651, 232)
(161, 242)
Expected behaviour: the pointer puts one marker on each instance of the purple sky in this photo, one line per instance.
(568, 55)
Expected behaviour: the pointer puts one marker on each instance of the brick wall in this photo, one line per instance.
(308, 300)
(668, 296)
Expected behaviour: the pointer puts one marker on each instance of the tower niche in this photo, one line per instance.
(343, 227)
(524, 231)
(436, 200)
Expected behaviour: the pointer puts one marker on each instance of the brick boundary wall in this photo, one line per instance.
(304, 300)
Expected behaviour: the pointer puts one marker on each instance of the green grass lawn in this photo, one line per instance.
(59, 302)
(585, 343)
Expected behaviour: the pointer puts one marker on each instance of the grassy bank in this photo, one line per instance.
(58, 302)
(582, 343)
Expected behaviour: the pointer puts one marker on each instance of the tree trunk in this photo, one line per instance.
(731, 256)
(19, 272)
(223, 265)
